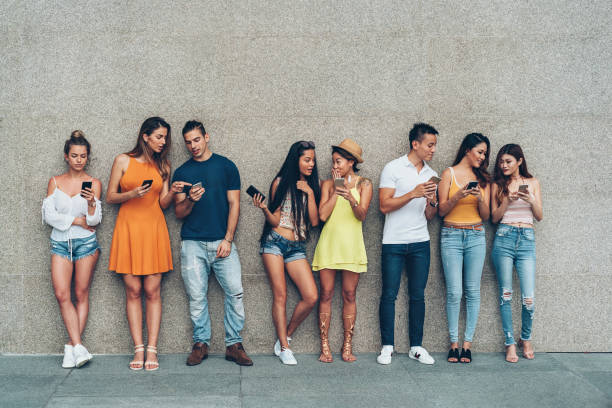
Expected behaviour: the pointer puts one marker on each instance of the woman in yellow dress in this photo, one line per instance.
(345, 199)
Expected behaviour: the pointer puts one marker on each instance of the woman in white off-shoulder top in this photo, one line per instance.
(73, 208)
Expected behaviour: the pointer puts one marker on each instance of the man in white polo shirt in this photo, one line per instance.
(408, 199)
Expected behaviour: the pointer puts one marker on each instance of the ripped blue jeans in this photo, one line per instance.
(198, 258)
(514, 247)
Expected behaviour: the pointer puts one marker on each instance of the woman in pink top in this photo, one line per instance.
(515, 202)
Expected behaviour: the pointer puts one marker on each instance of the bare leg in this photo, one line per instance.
(152, 289)
(327, 279)
(511, 355)
(133, 307)
(84, 269)
(349, 312)
(275, 267)
(61, 276)
(301, 274)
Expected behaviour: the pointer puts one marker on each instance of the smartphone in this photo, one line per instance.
(84, 185)
(197, 185)
(339, 182)
(147, 183)
(434, 179)
(472, 184)
(524, 188)
(252, 191)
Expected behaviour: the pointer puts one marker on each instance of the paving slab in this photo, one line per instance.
(18, 390)
(204, 401)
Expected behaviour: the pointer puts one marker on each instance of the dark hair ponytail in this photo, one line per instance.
(77, 138)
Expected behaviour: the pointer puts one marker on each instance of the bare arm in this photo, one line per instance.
(113, 196)
(225, 247)
(483, 201)
(365, 197)
(389, 203)
(328, 200)
(535, 200)
(498, 210)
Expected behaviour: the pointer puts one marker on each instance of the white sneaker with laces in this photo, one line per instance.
(81, 356)
(287, 358)
(421, 355)
(68, 357)
(277, 346)
(385, 355)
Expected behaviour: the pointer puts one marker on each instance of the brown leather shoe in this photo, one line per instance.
(236, 353)
(199, 352)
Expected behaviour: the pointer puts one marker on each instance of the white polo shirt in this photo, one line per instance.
(407, 224)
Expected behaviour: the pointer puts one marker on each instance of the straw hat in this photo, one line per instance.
(352, 147)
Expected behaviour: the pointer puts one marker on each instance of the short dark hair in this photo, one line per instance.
(194, 124)
(418, 132)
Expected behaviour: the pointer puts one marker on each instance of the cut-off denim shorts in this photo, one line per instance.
(276, 244)
(75, 249)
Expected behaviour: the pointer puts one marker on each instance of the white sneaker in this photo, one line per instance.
(277, 346)
(421, 355)
(385, 355)
(81, 356)
(68, 357)
(286, 356)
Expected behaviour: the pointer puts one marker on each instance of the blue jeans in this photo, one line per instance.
(515, 247)
(197, 260)
(416, 256)
(463, 255)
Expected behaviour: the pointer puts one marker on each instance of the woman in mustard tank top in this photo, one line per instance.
(464, 204)
(341, 246)
(140, 250)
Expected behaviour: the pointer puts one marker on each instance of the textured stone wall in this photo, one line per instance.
(262, 75)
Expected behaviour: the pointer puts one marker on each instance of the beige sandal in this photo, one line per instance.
(137, 365)
(326, 356)
(151, 365)
(347, 345)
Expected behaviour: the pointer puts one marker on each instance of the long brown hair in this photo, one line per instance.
(503, 181)
(470, 141)
(142, 149)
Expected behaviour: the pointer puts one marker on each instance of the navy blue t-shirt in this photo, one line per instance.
(208, 218)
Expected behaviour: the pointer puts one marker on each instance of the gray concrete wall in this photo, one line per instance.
(263, 76)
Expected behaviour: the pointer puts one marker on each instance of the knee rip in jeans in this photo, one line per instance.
(528, 303)
(506, 296)
(237, 296)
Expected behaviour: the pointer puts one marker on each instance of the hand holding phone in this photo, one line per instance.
(472, 184)
(523, 188)
(252, 191)
(88, 195)
(434, 179)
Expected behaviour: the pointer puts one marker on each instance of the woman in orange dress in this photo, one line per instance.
(140, 250)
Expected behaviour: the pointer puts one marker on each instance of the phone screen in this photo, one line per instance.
(252, 191)
(434, 179)
(86, 184)
(523, 188)
(147, 183)
(339, 182)
(472, 184)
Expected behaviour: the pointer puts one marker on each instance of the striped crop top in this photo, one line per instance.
(518, 211)
(466, 209)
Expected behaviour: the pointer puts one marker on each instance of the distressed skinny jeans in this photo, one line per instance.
(198, 258)
(515, 247)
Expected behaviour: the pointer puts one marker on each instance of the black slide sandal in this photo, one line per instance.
(466, 354)
(453, 353)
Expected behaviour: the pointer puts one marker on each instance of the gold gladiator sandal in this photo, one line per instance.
(326, 356)
(347, 346)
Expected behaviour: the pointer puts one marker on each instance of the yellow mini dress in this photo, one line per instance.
(341, 243)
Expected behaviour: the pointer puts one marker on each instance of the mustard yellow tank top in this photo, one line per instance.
(466, 209)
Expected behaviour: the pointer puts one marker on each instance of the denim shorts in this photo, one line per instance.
(276, 244)
(75, 249)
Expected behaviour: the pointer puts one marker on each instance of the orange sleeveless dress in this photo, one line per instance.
(141, 244)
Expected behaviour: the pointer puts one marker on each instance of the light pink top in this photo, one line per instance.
(519, 211)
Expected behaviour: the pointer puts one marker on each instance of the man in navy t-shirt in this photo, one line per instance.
(210, 211)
